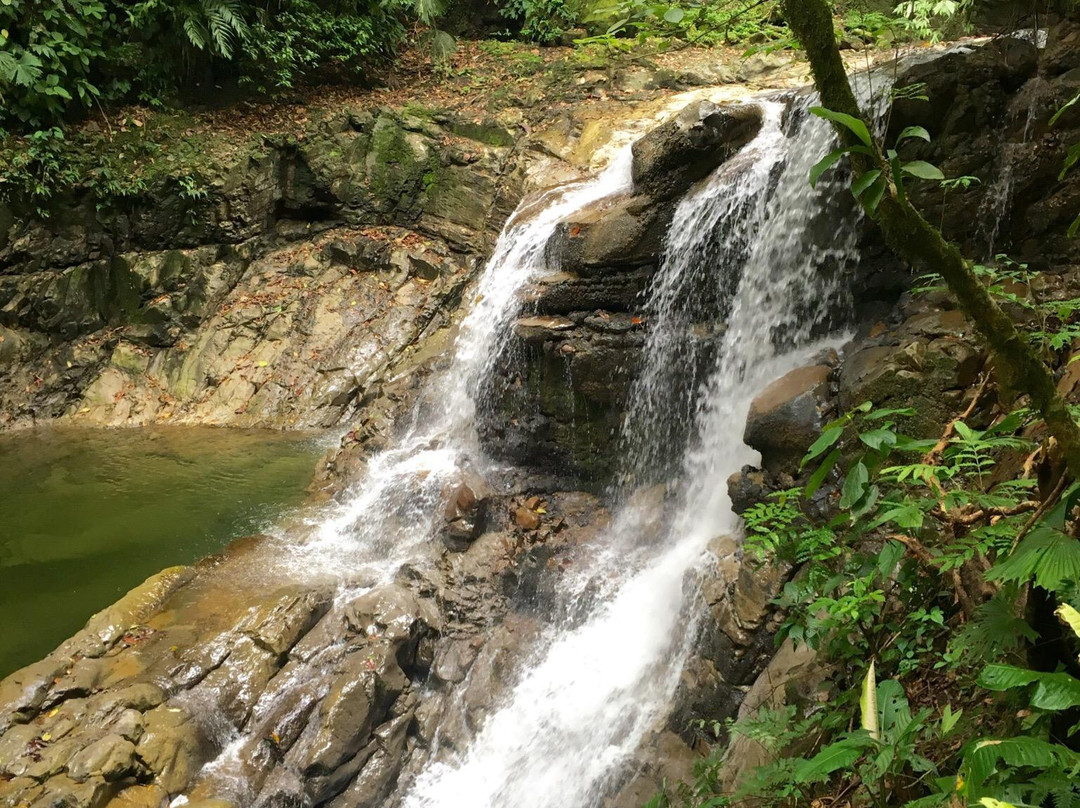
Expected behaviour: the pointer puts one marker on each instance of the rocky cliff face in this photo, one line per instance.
(280, 299)
(338, 698)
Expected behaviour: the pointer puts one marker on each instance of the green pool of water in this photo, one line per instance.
(85, 515)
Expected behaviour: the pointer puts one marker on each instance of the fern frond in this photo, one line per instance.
(1048, 556)
(427, 11)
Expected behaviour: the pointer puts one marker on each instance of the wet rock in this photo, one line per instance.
(112, 757)
(526, 519)
(622, 232)
(392, 613)
(466, 510)
(454, 658)
(793, 676)
(380, 772)
(151, 796)
(173, 747)
(278, 625)
(787, 416)
(928, 361)
(1062, 52)
(687, 148)
(357, 702)
(748, 487)
(661, 760)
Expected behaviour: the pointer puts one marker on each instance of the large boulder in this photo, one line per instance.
(786, 417)
(673, 156)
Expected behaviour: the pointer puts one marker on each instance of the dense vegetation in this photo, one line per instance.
(937, 579)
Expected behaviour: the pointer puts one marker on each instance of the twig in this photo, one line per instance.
(975, 516)
(934, 454)
(1041, 510)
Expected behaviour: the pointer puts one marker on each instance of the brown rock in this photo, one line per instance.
(173, 747)
(524, 518)
(111, 757)
(688, 147)
(785, 418)
(152, 796)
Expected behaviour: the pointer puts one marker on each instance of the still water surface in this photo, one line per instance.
(86, 514)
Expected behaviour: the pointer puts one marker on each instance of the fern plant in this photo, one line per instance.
(216, 27)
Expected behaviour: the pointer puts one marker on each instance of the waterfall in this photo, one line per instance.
(599, 684)
(389, 516)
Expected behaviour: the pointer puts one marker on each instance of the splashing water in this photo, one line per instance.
(584, 707)
(389, 516)
(390, 513)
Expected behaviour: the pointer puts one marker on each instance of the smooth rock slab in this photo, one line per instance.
(786, 417)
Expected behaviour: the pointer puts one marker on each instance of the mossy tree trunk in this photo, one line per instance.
(916, 241)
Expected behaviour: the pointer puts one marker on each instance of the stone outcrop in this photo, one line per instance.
(281, 299)
(323, 691)
(560, 389)
(787, 416)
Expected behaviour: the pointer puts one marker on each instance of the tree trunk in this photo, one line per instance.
(916, 241)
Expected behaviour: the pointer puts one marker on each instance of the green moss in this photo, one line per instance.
(399, 172)
(483, 132)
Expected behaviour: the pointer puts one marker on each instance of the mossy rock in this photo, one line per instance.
(398, 163)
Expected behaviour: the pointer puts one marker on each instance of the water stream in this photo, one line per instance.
(746, 242)
(581, 709)
(86, 514)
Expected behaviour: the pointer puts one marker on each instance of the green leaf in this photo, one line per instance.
(907, 516)
(674, 15)
(1048, 556)
(1074, 228)
(878, 415)
(1006, 677)
(835, 756)
(872, 198)
(923, 170)
(1072, 157)
(855, 125)
(1070, 617)
(879, 439)
(824, 164)
(982, 760)
(1053, 691)
(1064, 108)
(868, 703)
(818, 477)
(830, 436)
(854, 486)
(867, 179)
(949, 719)
(912, 132)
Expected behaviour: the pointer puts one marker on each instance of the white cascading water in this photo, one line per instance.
(579, 712)
(389, 516)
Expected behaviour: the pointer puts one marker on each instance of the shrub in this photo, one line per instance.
(542, 21)
(306, 38)
(47, 52)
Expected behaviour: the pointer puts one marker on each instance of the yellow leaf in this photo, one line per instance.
(263, 363)
(541, 510)
(46, 736)
(52, 712)
(1070, 617)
